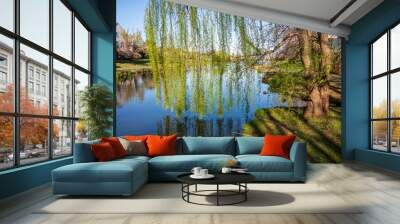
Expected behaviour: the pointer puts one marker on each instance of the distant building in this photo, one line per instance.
(34, 79)
(120, 43)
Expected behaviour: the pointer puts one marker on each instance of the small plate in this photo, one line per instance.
(240, 171)
(208, 176)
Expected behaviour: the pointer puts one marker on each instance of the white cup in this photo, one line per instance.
(226, 170)
(196, 171)
(203, 172)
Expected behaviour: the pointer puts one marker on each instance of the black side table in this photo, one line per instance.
(238, 179)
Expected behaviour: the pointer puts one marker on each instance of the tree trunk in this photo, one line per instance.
(327, 67)
(325, 94)
(314, 106)
(307, 53)
(318, 103)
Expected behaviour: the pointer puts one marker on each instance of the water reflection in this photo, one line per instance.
(207, 100)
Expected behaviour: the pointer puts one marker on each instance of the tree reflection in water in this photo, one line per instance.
(207, 100)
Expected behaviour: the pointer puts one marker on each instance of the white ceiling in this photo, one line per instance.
(316, 15)
(321, 9)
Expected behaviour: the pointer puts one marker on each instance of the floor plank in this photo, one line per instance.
(376, 189)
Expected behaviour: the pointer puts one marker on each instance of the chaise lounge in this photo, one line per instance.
(125, 176)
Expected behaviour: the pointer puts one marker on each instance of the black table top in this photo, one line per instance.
(220, 178)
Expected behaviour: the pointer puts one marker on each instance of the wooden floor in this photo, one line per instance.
(378, 189)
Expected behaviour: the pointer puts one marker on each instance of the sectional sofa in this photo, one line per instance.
(125, 176)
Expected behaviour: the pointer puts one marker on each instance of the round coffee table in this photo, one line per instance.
(238, 179)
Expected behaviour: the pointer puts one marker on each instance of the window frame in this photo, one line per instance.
(388, 74)
(16, 114)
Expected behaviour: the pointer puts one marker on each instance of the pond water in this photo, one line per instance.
(211, 100)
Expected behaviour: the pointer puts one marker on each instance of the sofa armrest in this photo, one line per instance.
(83, 152)
(298, 155)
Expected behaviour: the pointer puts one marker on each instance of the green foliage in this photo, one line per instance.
(178, 33)
(97, 103)
(289, 82)
(322, 135)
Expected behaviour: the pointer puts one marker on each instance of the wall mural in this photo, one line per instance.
(198, 72)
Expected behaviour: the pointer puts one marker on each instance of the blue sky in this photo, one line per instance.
(130, 14)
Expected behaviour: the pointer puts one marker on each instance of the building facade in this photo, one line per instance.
(34, 81)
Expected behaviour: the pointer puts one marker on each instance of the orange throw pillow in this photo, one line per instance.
(277, 145)
(161, 145)
(103, 152)
(116, 145)
(136, 138)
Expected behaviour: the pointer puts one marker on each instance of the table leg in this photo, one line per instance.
(217, 194)
(188, 190)
(195, 188)
(245, 193)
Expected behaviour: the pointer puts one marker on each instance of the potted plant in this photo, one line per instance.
(96, 103)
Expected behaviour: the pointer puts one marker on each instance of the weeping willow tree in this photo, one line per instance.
(194, 47)
(298, 64)
(176, 31)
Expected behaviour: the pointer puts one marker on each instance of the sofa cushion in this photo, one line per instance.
(103, 152)
(185, 163)
(277, 145)
(133, 158)
(135, 137)
(249, 145)
(257, 163)
(208, 145)
(112, 171)
(161, 145)
(116, 145)
(135, 147)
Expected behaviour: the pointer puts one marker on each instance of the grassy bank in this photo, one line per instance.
(133, 65)
(127, 68)
(322, 135)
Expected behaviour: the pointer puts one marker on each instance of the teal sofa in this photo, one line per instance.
(125, 176)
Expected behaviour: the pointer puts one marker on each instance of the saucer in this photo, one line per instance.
(208, 176)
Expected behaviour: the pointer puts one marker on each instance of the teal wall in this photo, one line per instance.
(103, 51)
(356, 86)
(99, 15)
(24, 178)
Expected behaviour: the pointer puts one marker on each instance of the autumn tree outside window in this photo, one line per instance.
(40, 57)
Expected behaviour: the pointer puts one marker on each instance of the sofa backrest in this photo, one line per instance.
(191, 146)
(83, 152)
(208, 145)
(249, 145)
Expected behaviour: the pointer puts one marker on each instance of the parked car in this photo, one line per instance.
(22, 155)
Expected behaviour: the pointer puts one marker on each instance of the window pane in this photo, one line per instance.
(62, 29)
(62, 138)
(395, 138)
(33, 140)
(379, 97)
(81, 131)
(81, 82)
(62, 89)
(6, 74)
(6, 142)
(379, 55)
(395, 47)
(81, 45)
(34, 97)
(7, 14)
(35, 21)
(379, 135)
(395, 95)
